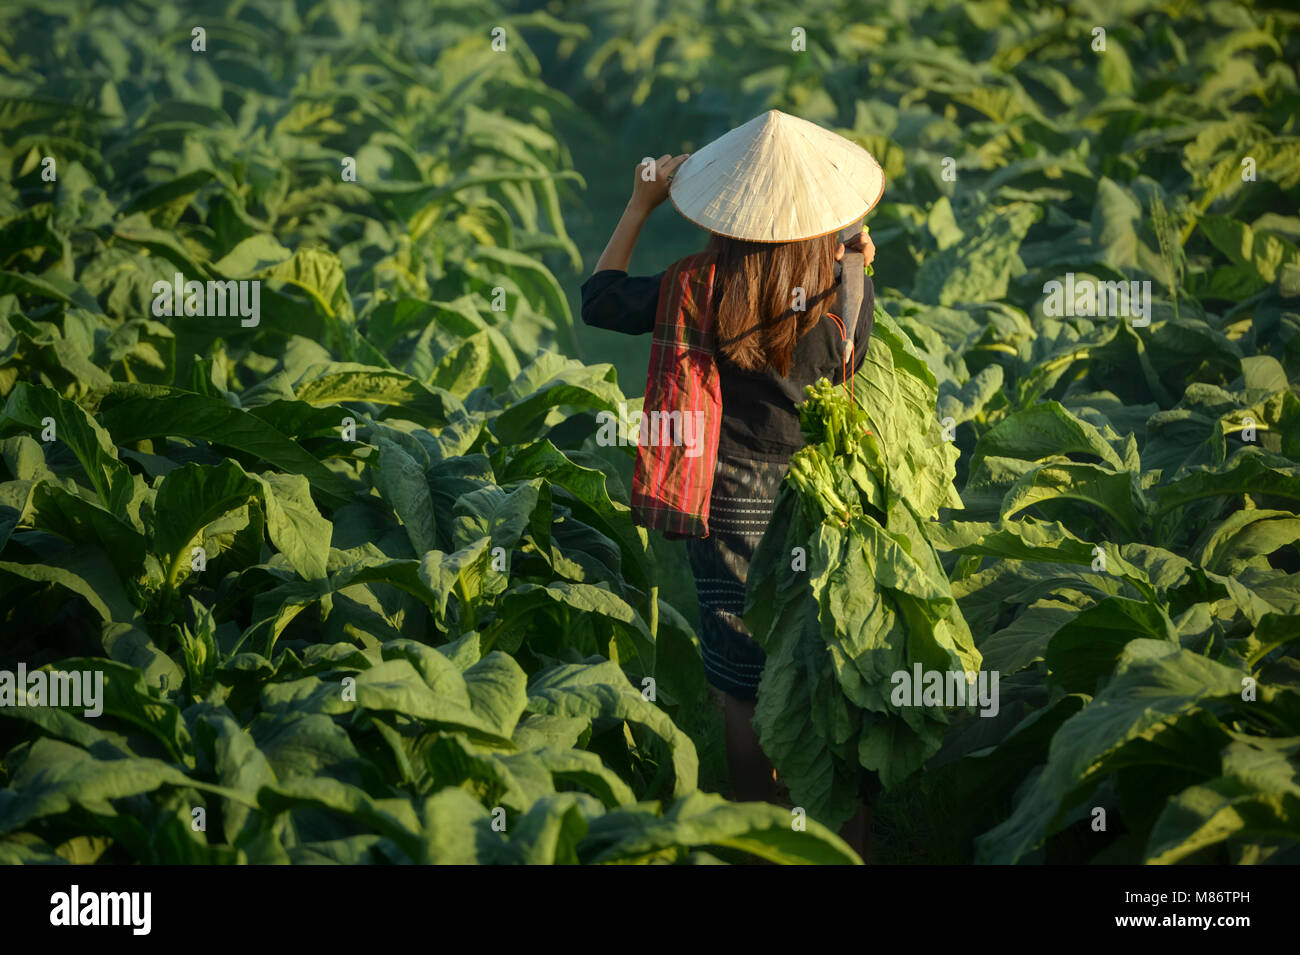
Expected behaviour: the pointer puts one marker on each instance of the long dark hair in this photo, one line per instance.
(757, 321)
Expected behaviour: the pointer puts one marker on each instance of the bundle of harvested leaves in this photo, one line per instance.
(848, 598)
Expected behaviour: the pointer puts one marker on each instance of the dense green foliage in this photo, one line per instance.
(1124, 549)
(355, 575)
(396, 636)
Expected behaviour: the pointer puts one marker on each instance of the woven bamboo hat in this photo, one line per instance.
(777, 178)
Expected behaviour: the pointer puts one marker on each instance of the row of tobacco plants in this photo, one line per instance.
(1094, 499)
(358, 581)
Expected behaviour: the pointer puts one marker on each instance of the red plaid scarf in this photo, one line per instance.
(683, 407)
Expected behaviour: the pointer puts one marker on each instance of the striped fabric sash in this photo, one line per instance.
(677, 448)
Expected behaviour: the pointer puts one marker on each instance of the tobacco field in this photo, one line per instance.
(363, 584)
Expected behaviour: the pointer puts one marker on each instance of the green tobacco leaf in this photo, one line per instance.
(449, 324)
(56, 777)
(678, 673)
(442, 668)
(549, 832)
(394, 818)
(165, 193)
(1246, 537)
(871, 602)
(1149, 569)
(585, 769)
(1155, 684)
(466, 574)
(457, 831)
(31, 406)
(50, 286)
(576, 385)
(1257, 800)
(516, 618)
(535, 280)
(396, 686)
(238, 764)
(965, 403)
(703, 819)
(294, 524)
(1249, 471)
(164, 244)
(88, 574)
(1041, 431)
(978, 267)
(400, 481)
(602, 690)
(1085, 650)
(320, 274)
(1024, 641)
(498, 691)
(898, 392)
(302, 744)
(193, 496)
(121, 693)
(1263, 253)
(1115, 220)
(251, 256)
(501, 514)
(784, 718)
(1117, 494)
(465, 367)
(78, 521)
(590, 499)
(178, 414)
(341, 382)
(292, 597)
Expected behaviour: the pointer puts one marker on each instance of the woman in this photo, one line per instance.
(774, 193)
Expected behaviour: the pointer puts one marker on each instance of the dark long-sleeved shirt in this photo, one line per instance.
(759, 420)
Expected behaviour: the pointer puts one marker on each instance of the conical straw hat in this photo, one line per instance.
(777, 178)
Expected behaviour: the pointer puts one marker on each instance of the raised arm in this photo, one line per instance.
(649, 189)
(611, 298)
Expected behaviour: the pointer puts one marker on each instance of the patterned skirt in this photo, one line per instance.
(740, 506)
